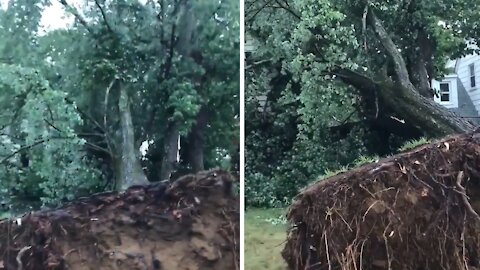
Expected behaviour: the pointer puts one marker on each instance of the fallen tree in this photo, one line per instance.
(192, 223)
(416, 210)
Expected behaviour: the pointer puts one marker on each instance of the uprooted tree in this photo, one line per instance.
(78, 101)
(357, 71)
(415, 210)
(388, 52)
(192, 223)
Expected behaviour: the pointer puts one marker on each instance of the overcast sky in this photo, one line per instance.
(54, 16)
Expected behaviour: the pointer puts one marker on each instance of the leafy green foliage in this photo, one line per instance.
(38, 126)
(60, 120)
(306, 117)
(288, 142)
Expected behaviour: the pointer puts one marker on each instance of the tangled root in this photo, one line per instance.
(414, 211)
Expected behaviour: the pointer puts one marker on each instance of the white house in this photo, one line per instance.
(460, 90)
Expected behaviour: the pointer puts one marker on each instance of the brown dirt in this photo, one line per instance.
(190, 224)
(413, 211)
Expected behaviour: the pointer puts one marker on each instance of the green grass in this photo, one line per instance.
(414, 143)
(265, 234)
(362, 160)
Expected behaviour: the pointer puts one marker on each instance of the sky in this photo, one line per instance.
(54, 16)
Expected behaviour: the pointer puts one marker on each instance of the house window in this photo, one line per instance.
(472, 75)
(444, 92)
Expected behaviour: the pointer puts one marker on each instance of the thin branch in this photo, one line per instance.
(51, 125)
(289, 10)
(86, 115)
(258, 10)
(77, 15)
(103, 129)
(258, 63)
(99, 148)
(91, 135)
(348, 117)
(104, 16)
(3, 160)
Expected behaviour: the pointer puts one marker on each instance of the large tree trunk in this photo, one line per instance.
(196, 140)
(170, 151)
(184, 45)
(129, 170)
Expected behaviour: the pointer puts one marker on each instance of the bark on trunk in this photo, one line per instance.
(130, 170)
(420, 78)
(420, 66)
(407, 106)
(184, 45)
(196, 140)
(170, 151)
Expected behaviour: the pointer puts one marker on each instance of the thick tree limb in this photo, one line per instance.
(392, 50)
(419, 76)
(418, 111)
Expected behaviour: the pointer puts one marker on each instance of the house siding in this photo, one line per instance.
(452, 80)
(463, 73)
(465, 108)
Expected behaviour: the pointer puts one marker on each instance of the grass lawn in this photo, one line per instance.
(264, 240)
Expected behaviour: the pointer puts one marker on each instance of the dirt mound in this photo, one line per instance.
(190, 224)
(413, 211)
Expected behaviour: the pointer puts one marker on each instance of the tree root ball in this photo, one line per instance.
(414, 211)
(192, 223)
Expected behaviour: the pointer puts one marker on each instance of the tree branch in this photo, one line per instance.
(104, 16)
(51, 125)
(356, 79)
(87, 116)
(107, 93)
(3, 160)
(99, 148)
(399, 64)
(77, 15)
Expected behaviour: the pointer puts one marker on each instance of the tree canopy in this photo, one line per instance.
(347, 78)
(77, 102)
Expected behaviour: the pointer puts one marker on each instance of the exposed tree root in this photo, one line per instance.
(190, 224)
(414, 211)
